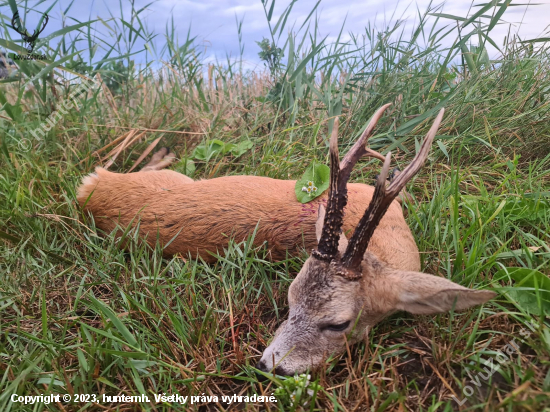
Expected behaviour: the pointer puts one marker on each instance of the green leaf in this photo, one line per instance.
(13, 111)
(4, 235)
(117, 323)
(7, 236)
(44, 316)
(526, 209)
(214, 147)
(442, 148)
(52, 66)
(62, 32)
(538, 40)
(477, 14)
(228, 147)
(270, 14)
(524, 297)
(50, 381)
(107, 382)
(447, 16)
(186, 167)
(209, 149)
(13, 6)
(82, 360)
(304, 62)
(12, 46)
(498, 15)
(518, 253)
(240, 148)
(124, 354)
(468, 57)
(405, 128)
(316, 179)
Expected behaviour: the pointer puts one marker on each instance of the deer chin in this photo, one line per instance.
(291, 353)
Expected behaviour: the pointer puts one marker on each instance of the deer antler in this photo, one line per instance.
(382, 199)
(338, 193)
(16, 25)
(360, 149)
(37, 32)
(27, 38)
(337, 200)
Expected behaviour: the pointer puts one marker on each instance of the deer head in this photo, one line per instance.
(343, 290)
(27, 38)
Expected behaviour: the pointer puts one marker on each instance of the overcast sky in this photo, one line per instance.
(213, 21)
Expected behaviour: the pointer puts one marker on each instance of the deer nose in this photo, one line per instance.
(281, 372)
(261, 366)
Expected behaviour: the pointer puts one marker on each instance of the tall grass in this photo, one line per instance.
(78, 315)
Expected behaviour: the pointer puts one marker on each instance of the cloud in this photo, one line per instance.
(214, 24)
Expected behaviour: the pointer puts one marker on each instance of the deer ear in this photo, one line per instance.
(342, 243)
(424, 294)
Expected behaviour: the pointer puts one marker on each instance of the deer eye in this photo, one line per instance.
(337, 328)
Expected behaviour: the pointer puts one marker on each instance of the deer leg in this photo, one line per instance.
(162, 179)
(160, 160)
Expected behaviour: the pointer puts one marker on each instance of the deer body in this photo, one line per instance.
(349, 282)
(207, 213)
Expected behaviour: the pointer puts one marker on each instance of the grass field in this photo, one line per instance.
(78, 315)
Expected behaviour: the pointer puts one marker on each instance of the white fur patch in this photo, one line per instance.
(88, 185)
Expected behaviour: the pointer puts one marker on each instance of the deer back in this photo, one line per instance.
(203, 215)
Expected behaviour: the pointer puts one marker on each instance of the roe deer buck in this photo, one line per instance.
(343, 290)
(203, 215)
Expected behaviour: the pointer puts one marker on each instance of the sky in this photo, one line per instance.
(214, 21)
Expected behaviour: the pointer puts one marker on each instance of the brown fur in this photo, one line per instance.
(208, 213)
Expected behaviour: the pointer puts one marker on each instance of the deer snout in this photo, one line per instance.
(272, 359)
(261, 365)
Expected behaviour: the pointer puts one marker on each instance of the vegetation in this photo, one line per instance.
(78, 315)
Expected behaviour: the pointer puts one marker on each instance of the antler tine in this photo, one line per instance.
(380, 202)
(383, 198)
(38, 31)
(400, 181)
(337, 199)
(13, 19)
(16, 23)
(338, 193)
(47, 19)
(359, 149)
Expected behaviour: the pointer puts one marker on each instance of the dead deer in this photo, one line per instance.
(200, 217)
(343, 290)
